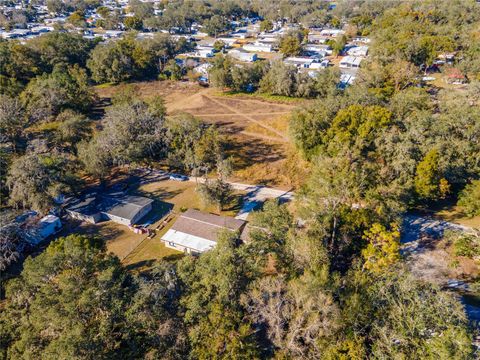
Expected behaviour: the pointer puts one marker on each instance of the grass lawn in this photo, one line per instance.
(179, 195)
(448, 211)
(455, 215)
(120, 240)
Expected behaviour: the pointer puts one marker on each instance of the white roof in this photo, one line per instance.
(190, 241)
(351, 60)
(49, 219)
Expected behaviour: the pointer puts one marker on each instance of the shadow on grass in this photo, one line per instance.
(159, 210)
(235, 204)
(248, 153)
(160, 194)
(106, 232)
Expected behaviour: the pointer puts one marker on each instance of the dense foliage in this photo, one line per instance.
(322, 278)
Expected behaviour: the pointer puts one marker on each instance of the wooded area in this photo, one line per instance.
(322, 278)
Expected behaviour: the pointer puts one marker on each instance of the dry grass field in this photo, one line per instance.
(257, 128)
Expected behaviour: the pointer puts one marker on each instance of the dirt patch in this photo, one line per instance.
(258, 129)
(436, 263)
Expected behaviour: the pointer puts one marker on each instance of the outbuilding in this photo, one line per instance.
(118, 207)
(195, 232)
(46, 226)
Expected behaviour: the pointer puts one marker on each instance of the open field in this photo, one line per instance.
(257, 127)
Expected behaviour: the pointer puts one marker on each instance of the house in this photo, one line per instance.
(241, 34)
(202, 69)
(320, 65)
(317, 39)
(346, 80)
(300, 62)
(320, 50)
(358, 51)
(195, 232)
(362, 39)
(118, 207)
(46, 226)
(243, 55)
(350, 62)
(331, 32)
(258, 47)
(204, 52)
(228, 41)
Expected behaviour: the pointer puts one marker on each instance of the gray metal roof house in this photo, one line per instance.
(118, 207)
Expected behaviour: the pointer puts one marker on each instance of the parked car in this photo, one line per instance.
(178, 177)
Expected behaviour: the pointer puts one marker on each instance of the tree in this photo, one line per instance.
(217, 192)
(469, 199)
(429, 183)
(60, 48)
(77, 19)
(12, 243)
(338, 44)
(397, 316)
(219, 45)
(75, 300)
(133, 23)
(213, 284)
(358, 125)
(173, 70)
(266, 25)
(19, 64)
(65, 88)
(215, 25)
(290, 45)
(298, 316)
(133, 132)
(193, 146)
(383, 249)
(12, 120)
(279, 80)
(220, 74)
(270, 235)
(120, 60)
(73, 128)
(35, 180)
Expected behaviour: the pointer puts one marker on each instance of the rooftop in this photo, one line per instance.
(206, 226)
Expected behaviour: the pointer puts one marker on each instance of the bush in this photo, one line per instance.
(469, 199)
(467, 245)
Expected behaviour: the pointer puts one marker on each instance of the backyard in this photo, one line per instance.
(140, 251)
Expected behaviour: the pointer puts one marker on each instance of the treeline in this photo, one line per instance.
(276, 296)
(115, 61)
(276, 78)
